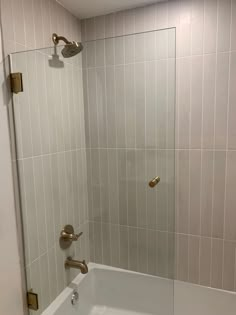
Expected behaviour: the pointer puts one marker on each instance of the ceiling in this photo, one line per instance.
(89, 8)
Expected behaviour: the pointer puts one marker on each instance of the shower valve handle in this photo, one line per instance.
(67, 236)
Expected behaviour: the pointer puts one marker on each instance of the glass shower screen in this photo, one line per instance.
(95, 148)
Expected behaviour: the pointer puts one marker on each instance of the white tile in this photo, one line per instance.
(224, 21)
(221, 110)
(208, 101)
(210, 22)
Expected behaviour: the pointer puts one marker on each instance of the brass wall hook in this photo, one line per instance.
(154, 182)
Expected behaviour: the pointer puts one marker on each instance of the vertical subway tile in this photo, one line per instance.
(142, 251)
(193, 259)
(195, 188)
(184, 102)
(31, 208)
(162, 15)
(90, 54)
(111, 107)
(232, 107)
(45, 285)
(119, 23)
(206, 192)
(115, 246)
(183, 191)
(217, 261)
(197, 26)
(52, 273)
(196, 102)
(129, 21)
(208, 101)
(130, 105)
(153, 205)
(129, 48)
(122, 187)
(184, 42)
(170, 165)
(113, 186)
(139, 20)
(101, 107)
(120, 106)
(95, 160)
(91, 242)
(224, 21)
(140, 104)
(93, 108)
(182, 262)
(106, 244)
(90, 28)
(100, 26)
(124, 247)
(98, 242)
(109, 25)
(104, 185)
(6, 16)
(151, 251)
(162, 41)
(210, 22)
(55, 193)
(219, 194)
(161, 104)
(205, 261)
(40, 204)
(18, 22)
(151, 48)
(233, 26)
(119, 50)
(139, 48)
(162, 254)
(110, 51)
(151, 108)
(150, 17)
(221, 111)
(38, 23)
(229, 266)
(133, 248)
(141, 188)
(162, 192)
(29, 22)
(230, 232)
(131, 187)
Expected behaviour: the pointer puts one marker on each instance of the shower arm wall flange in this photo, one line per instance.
(56, 39)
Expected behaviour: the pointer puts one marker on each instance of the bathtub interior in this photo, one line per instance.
(113, 291)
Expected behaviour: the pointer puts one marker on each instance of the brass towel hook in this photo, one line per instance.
(154, 182)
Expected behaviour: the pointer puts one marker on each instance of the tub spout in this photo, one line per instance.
(70, 263)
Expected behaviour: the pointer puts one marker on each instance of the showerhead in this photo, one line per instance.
(70, 49)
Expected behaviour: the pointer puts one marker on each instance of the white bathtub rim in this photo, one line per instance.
(67, 292)
(177, 284)
(185, 283)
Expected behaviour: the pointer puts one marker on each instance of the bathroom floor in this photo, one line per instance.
(104, 310)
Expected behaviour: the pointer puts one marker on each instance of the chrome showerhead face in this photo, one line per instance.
(71, 49)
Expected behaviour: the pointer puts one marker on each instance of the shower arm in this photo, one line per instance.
(57, 38)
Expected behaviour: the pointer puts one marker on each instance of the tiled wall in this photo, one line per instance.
(205, 130)
(51, 157)
(29, 24)
(130, 98)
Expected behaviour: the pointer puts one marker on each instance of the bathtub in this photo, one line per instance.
(112, 291)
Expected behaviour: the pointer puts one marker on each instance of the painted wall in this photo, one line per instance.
(26, 24)
(205, 132)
